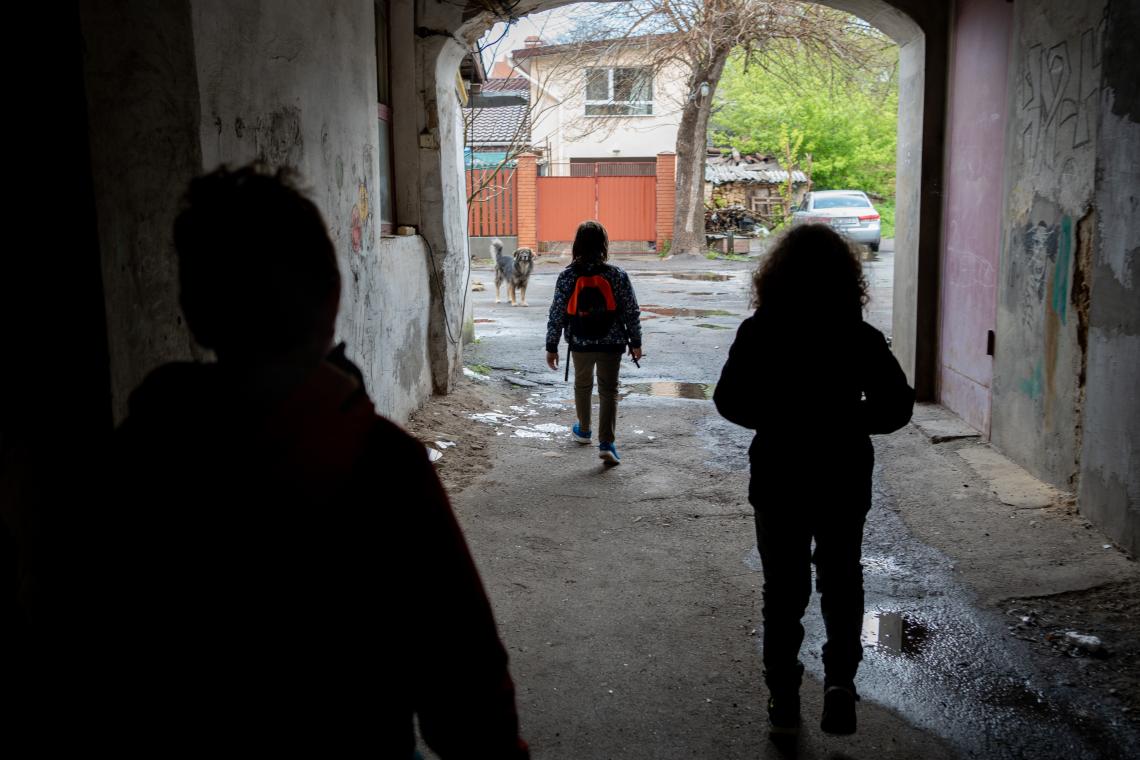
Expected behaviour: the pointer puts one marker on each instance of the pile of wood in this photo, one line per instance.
(736, 219)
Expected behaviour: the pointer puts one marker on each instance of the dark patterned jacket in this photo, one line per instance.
(627, 327)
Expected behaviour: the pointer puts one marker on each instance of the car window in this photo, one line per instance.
(842, 201)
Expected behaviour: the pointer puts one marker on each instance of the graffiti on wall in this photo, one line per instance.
(1037, 244)
(362, 227)
(1058, 87)
(1039, 283)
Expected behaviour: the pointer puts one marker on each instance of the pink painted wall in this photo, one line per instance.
(979, 66)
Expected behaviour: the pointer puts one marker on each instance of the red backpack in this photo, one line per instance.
(592, 307)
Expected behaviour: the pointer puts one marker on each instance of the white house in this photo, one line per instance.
(601, 101)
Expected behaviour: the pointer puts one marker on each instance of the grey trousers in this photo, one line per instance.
(608, 365)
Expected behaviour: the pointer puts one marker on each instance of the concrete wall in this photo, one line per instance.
(1052, 150)
(1110, 441)
(1068, 349)
(175, 89)
(295, 84)
(142, 95)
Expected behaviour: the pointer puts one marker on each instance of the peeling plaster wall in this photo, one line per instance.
(1110, 445)
(442, 199)
(294, 83)
(1051, 150)
(1068, 344)
(143, 110)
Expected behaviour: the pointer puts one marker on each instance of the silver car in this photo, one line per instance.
(849, 211)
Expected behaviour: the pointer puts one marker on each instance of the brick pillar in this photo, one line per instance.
(666, 197)
(526, 201)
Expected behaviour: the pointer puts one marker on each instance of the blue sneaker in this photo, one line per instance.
(579, 436)
(608, 452)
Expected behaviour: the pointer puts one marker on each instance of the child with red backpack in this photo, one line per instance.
(594, 304)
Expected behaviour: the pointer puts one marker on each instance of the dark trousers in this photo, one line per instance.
(785, 529)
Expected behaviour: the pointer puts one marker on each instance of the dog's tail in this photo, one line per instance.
(496, 248)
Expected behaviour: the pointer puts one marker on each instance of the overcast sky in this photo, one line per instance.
(549, 25)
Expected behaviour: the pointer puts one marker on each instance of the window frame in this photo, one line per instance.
(387, 176)
(610, 101)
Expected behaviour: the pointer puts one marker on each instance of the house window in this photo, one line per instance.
(384, 111)
(619, 92)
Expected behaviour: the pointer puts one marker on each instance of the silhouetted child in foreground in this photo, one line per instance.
(814, 381)
(594, 304)
(280, 571)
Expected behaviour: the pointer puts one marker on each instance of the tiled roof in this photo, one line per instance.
(507, 84)
(647, 41)
(497, 125)
(720, 174)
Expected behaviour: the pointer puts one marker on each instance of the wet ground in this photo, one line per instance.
(629, 597)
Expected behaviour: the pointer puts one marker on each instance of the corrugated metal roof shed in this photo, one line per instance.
(720, 174)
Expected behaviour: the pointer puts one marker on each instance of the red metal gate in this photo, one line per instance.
(623, 197)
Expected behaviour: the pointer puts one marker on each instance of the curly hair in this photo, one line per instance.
(811, 270)
(591, 244)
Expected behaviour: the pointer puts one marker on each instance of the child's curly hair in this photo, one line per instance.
(811, 270)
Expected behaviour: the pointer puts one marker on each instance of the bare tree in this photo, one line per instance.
(700, 35)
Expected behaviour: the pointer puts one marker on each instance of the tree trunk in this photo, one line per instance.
(692, 139)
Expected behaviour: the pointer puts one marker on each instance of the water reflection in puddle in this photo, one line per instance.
(895, 632)
(709, 276)
(676, 311)
(707, 326)
(670, 389)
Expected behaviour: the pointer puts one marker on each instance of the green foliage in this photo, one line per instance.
(481, 369)
(886, 211)
(845, 119)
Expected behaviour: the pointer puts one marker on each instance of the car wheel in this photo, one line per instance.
(874, 247)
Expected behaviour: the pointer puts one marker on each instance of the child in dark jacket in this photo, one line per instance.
(814, 381)
(597, 339)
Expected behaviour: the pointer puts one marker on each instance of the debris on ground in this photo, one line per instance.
(736, 219)
(1090, 644)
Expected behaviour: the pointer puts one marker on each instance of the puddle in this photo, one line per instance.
(895, 632)
(707, 276)
(675, 311)
(483, 321)
(707, 326)
(648, 316)
(701, 293)
(879, 564)
(672, 389)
